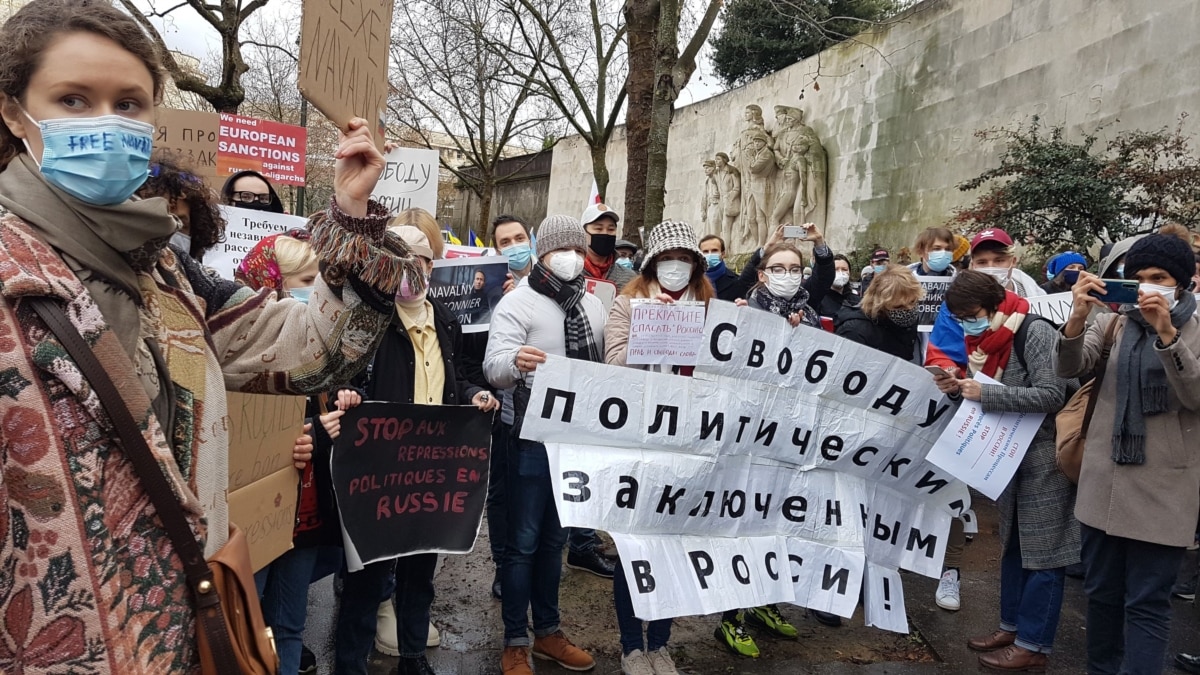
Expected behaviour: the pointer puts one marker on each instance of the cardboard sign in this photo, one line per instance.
(344, 59)
(191, 135)
(409, 181)
(244, 229)
(410, 479)
(276, 150)
(984, 449)
(935, 294)
(470, 288)
(264, 486)
(667, 335)
(603, 289)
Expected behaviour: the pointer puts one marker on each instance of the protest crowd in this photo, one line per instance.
(104, 288)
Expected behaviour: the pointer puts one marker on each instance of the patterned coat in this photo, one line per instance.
(88, 582)
(1040, 496)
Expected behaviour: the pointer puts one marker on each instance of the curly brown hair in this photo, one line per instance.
(172, 179)
(27, 34)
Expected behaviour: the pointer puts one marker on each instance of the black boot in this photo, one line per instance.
(417, 666)
(591, 561)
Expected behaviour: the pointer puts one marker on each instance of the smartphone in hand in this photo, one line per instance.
(795, 232)
(1118, 291)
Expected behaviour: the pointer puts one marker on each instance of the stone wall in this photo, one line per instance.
(897, 110)
(523, 192)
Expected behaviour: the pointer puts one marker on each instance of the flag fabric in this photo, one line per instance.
(474, 239)
(450, 238)
(594, 198)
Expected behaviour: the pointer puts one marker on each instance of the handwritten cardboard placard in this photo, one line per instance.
(244, 228)
(409, 181)
(470, 288)
(191, 135)
(665, 335)
(410, 479)
(266, 511)
(276, 150)
(344, 57)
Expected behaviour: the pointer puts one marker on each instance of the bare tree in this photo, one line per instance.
(227, 17)
(658, 71)
(583, 69)
(450, 86)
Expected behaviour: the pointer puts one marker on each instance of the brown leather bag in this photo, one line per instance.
(1072, 421)
(232, 637)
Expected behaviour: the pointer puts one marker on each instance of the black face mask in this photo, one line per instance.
(253, 206)
(603, 245)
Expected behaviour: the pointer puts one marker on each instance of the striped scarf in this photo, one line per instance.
(989, 351)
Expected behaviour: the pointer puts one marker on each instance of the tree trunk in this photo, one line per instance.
(641, 19)
(485, 209)
(600, 169)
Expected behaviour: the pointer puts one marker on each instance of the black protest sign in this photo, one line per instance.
(411, 478)
(927, 308)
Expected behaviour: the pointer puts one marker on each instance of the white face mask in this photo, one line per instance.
(784, 285)
(673, 275)
(1001, 274)
(841, 279)
(1167, 292)
(566, 265)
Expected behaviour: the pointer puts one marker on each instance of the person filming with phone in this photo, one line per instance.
(1139, 484)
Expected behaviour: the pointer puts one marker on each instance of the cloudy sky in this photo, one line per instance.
(186, 32)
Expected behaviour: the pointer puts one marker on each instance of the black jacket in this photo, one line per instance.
(883, 335)
(730, 286)
(835, 302)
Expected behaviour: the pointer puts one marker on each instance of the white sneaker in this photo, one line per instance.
(435, 638)
(385, 629)
(661, 662)
(947, 596)
(636, 663)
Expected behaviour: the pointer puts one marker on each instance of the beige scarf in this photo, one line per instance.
(105, 246)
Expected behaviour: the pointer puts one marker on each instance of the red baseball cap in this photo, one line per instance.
(993, 234)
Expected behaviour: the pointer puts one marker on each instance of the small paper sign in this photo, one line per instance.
(665, 335)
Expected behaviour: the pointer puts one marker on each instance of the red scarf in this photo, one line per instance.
(597, 271)
(993, 347)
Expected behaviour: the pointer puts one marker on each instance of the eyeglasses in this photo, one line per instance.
(968, 319)
(248, 197)
(780, 269)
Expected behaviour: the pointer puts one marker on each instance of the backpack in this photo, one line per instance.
(1022, 336)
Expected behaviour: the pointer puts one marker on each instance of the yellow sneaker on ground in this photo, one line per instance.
(732, 634)
(768, 617)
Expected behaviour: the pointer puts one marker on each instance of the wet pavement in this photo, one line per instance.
(471, 629)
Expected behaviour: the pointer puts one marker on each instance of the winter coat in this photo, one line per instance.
(834, 302)
(730, 286)
(879, 334)
(817, 285)
(1156, 501)
(1040, 496)
(88, 577)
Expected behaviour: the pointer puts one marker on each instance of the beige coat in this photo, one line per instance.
(1157, 501)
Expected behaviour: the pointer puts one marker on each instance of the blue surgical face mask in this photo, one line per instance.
(98, 160)
(939, 260)
(302, 294)
(518, 256)
(976, 326)
(1049, 276)
(713, 259)
(625, 263)
(879, 269)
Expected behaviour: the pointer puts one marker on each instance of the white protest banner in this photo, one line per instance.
(409, 181)
(1056, 307)
(755, 345)
(883, 599)
(605, 290)
(244, 229)
(984, 449)
(927, 308)
(470, 288)
(665, 335)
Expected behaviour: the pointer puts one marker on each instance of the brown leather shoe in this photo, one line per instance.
(990, 643)
(557, 648)
(515, 661)
(1014, 659)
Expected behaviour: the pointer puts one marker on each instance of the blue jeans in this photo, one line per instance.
(497, 504)
(580, 540)
(658, 633)
(1030, 600)
(365, 590)
(285, 601)
(1128, 585)
(533, 559)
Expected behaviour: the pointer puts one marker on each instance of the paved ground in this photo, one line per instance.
(471, 628)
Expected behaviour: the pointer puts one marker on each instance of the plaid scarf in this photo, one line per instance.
(990, 350)
(786, 307)
(569, 296)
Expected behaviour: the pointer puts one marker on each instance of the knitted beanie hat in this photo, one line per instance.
(557, 232)
(671, 235)
(1060, 262)
(1165, 251)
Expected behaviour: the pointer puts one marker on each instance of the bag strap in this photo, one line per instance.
(154, 481)
(1109, 337)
